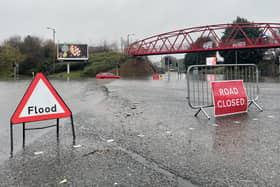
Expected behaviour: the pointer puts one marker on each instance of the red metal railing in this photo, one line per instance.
(209, 38)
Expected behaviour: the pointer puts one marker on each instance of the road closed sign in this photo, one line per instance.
(229, 97)
(40, 102)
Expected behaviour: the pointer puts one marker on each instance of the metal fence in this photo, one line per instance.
(199, 78)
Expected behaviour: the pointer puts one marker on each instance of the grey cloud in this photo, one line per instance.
(98, 20)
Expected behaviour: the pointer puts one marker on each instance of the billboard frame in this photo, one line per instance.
(71, 59)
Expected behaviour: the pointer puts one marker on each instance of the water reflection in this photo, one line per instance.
(230, 132)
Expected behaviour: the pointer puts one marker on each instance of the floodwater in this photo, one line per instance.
(73, 93)
(143, 133)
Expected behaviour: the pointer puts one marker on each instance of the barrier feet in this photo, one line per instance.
(256, 104)
(203, 111)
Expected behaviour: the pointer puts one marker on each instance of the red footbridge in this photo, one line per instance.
(209, 38)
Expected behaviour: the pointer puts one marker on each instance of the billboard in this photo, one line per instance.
(72, 52)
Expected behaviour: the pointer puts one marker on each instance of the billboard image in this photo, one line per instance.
(72, 52)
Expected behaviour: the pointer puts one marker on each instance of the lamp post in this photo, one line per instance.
(132, 34)
(53, 31)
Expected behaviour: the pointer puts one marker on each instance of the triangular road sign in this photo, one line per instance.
(40, 102)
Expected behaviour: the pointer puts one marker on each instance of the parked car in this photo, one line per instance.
(107, 75)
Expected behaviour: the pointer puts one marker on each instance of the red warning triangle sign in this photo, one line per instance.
(40, 102)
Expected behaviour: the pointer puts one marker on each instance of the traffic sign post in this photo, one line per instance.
(40, 102)
(229, 97)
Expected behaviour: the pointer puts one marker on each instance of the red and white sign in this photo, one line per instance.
(40, 102)
(211, 61)
(229, 97)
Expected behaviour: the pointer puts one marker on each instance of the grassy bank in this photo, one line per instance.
(98, 62)
(64, 75)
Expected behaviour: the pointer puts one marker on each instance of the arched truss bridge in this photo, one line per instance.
(209, 38)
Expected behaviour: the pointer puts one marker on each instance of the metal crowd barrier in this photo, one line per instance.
(199, 78)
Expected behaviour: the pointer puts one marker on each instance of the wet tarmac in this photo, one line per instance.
(142, 133)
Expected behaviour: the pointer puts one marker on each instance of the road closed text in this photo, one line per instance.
(229, 102)
(229, 97)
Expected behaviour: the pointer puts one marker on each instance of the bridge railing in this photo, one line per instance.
(199, 78)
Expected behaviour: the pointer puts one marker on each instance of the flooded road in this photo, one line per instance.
(74, 94)
(143, 133)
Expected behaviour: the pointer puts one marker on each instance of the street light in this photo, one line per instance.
(53, 31)
(132, 34)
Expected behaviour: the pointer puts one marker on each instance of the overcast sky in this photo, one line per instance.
(93, 21)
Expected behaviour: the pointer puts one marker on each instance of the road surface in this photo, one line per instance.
(142, 133)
